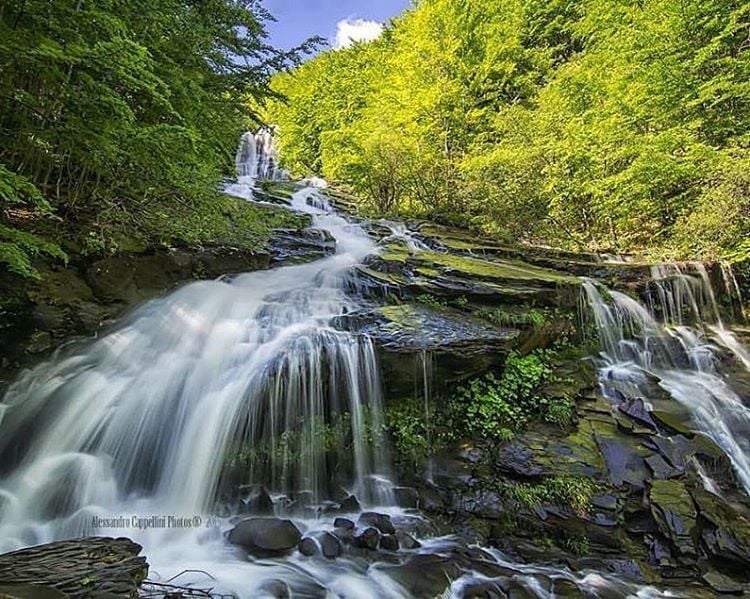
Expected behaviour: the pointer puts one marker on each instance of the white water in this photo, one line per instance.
(681, 351)
(137, 424)
(257, 159)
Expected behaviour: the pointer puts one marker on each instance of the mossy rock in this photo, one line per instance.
(675, 513)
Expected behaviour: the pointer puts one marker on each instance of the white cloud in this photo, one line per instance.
(349, 31)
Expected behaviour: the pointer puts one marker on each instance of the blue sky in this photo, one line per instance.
(299, 19)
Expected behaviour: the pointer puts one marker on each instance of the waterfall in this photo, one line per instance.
(148, 412)
(245, 381)
(676, 339)
(257, 157)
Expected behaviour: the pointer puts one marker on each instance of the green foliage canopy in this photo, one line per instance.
(609, 125)
(111, 108)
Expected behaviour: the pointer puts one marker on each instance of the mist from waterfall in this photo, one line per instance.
(675, 339)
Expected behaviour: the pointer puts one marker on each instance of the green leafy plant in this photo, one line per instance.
(410, 432)
(573, 491)
(433, 302)
(493, 406)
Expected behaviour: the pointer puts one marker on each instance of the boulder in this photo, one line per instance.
(259, 502)
(406, 541)
(264, 536)
(330, 545)
(425, 575)
(350, 505)
(343, 523)
(380, 521)
(367, 538)
(389, 542)
(308, 547)
(406, 497)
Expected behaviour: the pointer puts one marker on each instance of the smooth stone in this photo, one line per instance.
(266, 534)
(308, 547)
(425, 575)
(389, 542)
(330, 545)
(406, 541)
(343, 523)
(368, 538)
(350, 505)
(380, 521)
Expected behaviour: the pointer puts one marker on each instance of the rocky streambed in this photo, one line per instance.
(525, 465)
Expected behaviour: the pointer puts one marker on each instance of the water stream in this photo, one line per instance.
(137, 425)
(676, 340)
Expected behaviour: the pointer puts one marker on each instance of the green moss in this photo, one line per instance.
(402, 316)
(220, 220)
(212, 220)
(496, 269)
(395, 253)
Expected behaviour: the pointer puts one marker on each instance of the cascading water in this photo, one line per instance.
(140, 421)
(256, 160)
(680, 351)
(141, 428)
(257, 156)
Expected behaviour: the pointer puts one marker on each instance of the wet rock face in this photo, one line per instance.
(648, 517)
(674, 511)
(265, 536)
(37, 316)
(94, 567)
(409, 328)
(299, 247)
(448, 275)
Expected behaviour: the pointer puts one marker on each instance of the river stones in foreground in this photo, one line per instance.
(265, 536)
(380, 521)
(93, 567)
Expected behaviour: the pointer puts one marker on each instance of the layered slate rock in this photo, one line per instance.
(675, 513)
(449, 275)
(411, 327)
(91, 567)
(299, 247)
(625, 274)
